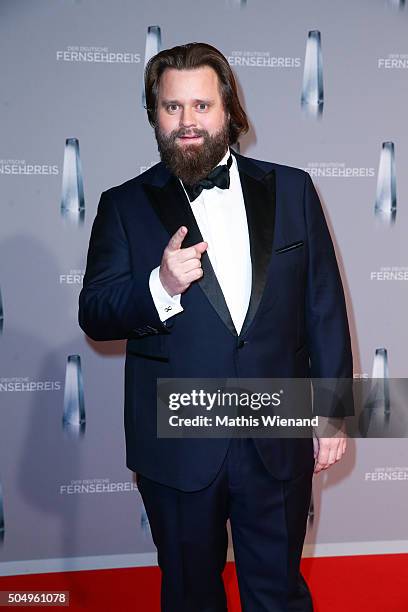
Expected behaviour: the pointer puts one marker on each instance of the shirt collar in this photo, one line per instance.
(224, 159)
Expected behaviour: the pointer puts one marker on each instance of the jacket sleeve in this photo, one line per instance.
(327, 330)
(114, 303)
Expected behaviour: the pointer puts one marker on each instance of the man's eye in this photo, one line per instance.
(202, 106)
(172, 108)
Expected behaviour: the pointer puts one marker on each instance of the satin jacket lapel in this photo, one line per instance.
(173, 209)
(260, 203)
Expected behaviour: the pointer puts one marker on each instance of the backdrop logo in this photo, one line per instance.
(312, 98)
(23, 384)
(1, 314)
(393, 61)
(387, 474)
(386, 199)
(2, 527)
(153, 46)
(97, 55)
(262, 59)
(390, 273)
(73, 419)
(74, 277)
(22, 167)
(72, 200)
(337, 170)
(96, 485)
(375, 418)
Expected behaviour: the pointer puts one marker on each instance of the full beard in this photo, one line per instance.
(192, 162)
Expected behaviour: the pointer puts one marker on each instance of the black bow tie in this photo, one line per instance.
(219, 177)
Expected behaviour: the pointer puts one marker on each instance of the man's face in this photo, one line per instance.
(192, 127)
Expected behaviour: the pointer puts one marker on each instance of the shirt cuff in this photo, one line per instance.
(166, 305)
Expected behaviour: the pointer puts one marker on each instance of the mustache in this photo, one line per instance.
(188, 132)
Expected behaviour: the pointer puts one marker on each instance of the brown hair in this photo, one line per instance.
(190, 56)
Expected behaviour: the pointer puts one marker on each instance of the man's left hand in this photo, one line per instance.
(327, 451)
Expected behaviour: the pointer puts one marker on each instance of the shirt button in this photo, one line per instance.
(168, 308)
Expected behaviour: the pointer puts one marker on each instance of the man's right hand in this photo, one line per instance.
(180, 267)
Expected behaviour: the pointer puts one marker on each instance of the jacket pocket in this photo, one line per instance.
(290, 247)
(150, 347)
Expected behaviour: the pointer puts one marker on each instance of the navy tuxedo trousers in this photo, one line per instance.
(268, 523)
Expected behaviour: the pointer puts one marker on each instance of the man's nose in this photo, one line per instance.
(187, 117)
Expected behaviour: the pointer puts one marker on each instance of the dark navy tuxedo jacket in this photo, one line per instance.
(295, 326)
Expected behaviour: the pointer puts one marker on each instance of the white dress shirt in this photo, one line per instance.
(221, 218)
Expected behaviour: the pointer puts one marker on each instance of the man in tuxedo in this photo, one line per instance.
(215, 265)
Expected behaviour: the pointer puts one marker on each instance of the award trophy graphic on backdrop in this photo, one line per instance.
(72, 199)
(236, 3)
(2, 528)
(144, 523)
(73, 419)
(153, 46)
(312, 98)
(386, 198)
(396, 4)
(311, 513)
(1, 314)
(375, 417)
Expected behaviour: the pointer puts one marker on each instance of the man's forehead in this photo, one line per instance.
(187, 79)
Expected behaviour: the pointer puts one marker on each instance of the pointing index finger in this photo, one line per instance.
(176, 240)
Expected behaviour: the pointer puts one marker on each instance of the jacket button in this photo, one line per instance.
(242, 343)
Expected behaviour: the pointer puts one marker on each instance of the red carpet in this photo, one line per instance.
(338, 584)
